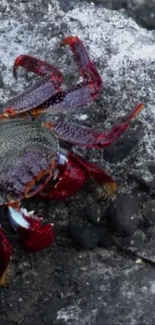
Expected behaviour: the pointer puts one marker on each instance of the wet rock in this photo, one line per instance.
(93, 213)
(142, 11)
(149, 212)
(85, 234)
(145, 15)
(135, 242)
(112, 4)
(124, 214)
(121, 148)
(144, 183)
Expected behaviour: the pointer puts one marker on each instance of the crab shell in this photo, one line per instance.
(28, 159)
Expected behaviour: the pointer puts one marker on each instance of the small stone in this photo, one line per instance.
(83, 269)
(139, 261)
(93, 213)
(84, 233)
(123, 213)
(121, 148)
(20, 299)
(149, 212)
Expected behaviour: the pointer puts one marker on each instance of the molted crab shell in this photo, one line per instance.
(27, 160)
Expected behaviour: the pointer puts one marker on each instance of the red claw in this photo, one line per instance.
(70, 180)
(72, 176)
(5, 254)
(36, 240)
(36, 237)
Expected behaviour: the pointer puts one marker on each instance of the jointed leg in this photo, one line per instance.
(87, 137)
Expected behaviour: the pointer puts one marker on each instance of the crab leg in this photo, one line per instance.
(5, 254)
(47, 96)
(34, 98)
(86, 67)
(39, 67)
(87, 137)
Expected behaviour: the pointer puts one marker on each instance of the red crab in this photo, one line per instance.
(31, 159)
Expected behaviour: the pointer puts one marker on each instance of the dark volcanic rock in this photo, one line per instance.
(149, 212)
(84, 233)
(121, 148)
(144, 183)
(123, 213)
(144, 14)
(106, 240)
(142, 11)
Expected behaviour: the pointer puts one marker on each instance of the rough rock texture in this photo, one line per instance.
(142, 11)
(67, 284)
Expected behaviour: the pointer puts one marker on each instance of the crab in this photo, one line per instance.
(32, 160)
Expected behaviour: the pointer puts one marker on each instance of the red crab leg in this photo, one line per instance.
(41, 99)
(36, 97)
(86, 67)
(39, 67)
(5, 254)
(87, 137)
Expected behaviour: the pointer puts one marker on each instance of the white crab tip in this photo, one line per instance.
(16, 219)
(27, 213)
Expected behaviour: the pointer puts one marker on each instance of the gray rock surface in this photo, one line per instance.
(64, 285)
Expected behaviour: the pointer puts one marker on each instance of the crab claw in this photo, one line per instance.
(5, 254)
(35, 237)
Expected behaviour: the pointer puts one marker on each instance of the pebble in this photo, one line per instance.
(84, 233)
(123, 213)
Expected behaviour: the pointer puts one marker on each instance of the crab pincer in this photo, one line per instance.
(33, 234)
